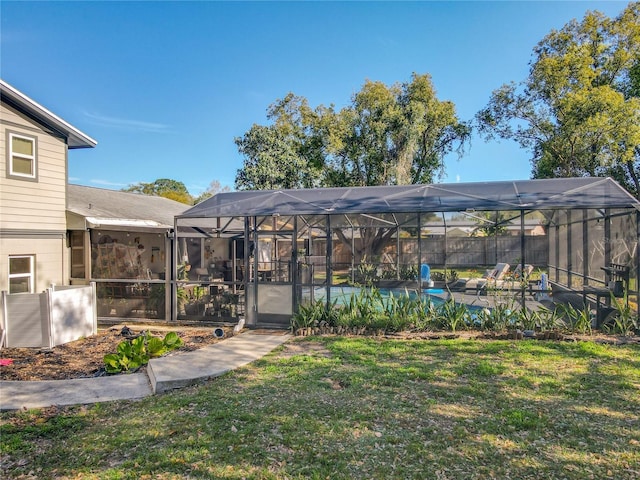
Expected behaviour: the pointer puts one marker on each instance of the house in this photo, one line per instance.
(55, 233)
(33, 192)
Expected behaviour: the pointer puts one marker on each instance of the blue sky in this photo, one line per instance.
(165, 87)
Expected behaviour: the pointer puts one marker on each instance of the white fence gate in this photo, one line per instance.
(56, 316)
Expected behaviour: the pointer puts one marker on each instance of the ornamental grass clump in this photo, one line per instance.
(577, 320)
(624, 320)
(372, 311)
(314, 315)
(452, 316)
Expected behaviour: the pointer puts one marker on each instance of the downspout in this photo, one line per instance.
(65, 259)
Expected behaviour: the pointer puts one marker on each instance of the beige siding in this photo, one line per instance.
(45, 199)
(75, 222)
(51, 260)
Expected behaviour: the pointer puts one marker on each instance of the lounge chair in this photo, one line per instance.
(513, 280)
(490, 277)
(518, 275)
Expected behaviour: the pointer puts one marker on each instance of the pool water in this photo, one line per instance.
(342, 294)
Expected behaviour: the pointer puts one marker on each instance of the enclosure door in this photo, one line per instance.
(270, 292)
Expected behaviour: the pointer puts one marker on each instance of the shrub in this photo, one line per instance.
(367, 272)
(408, 272)
(132, 354)
(578, 320)
(623, 320)
(452, 315)
(315, 314)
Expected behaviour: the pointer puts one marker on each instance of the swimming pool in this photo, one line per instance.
(341, 295)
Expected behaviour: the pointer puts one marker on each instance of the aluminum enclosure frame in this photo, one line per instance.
(243, 215)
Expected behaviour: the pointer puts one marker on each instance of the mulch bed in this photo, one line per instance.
(83, 358)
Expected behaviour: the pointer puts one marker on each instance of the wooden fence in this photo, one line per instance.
(456, 252)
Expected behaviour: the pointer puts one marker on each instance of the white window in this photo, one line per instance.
(22, 156)
(21, 273)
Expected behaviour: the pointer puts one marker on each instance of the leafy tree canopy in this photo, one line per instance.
(578, 111)
(176, 190)
(388, 135)
(163, 187)
(272, 161)
(396, 134)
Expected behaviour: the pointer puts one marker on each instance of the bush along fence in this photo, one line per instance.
(368, 312)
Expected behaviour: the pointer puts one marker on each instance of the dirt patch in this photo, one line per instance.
(291, 349)
(83, 358)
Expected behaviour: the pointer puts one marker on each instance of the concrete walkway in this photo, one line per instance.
(164, 373)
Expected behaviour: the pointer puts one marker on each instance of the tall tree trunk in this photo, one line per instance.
(373, 240)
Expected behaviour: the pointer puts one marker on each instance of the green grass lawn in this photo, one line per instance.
(340, 407)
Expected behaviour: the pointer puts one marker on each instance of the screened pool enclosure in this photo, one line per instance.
(260, 254)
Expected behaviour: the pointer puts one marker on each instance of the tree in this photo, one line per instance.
(632, 90)
(578, 111)
(283, 154)
(490, 224)
(394, 135)
(163, 187)
(271, 161)
(388, 135)
(214, 188)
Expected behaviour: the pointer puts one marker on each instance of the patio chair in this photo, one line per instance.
(518, 273)
(490, 277)
(202, 273)
(512, 280)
